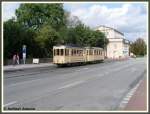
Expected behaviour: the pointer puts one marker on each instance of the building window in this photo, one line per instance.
(115, 46)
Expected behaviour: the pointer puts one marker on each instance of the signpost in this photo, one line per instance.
(24, 53)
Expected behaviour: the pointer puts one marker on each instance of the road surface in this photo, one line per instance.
(81, 88)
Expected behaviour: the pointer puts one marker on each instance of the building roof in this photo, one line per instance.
(111, 28)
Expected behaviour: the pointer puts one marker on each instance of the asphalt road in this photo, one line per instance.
(90, 87)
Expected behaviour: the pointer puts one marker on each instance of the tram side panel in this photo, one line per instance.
(76, 55)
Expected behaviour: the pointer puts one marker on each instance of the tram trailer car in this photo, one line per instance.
(68, 55)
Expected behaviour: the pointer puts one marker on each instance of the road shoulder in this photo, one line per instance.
(138, 101)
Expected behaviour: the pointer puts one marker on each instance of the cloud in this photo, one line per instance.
(129, 18)
(9, 10)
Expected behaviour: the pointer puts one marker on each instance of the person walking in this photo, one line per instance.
(17, 58)
(14, 59)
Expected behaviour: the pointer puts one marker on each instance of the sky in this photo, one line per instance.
(128, 18)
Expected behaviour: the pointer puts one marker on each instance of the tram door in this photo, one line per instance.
(87, 55)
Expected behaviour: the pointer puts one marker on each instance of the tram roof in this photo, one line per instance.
(67, 46)
(75, 46)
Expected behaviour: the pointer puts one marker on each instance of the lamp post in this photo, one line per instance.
(105, 41)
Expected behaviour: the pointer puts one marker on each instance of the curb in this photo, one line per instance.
(133, 88)
(33, 66)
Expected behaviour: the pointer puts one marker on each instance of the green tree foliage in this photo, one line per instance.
(83, 36)
(35, 15)
(15, 36)
(97, 39)
(41, 26)
(46, 38)
(138, 47)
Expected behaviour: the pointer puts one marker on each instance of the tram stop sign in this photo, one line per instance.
(24, 49)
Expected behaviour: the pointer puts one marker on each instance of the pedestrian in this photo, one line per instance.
(17, 58)
(14, 59)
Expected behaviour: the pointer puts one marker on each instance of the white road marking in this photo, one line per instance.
(22, 83)
(72, 84)
(10, 103)
(86, 68)
(126, 99)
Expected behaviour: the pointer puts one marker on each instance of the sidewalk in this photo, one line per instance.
(138, 101)
(8, 68)
(25, 66)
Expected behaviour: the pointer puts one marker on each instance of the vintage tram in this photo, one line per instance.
(68, 55)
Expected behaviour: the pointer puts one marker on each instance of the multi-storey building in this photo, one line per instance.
(118, 46)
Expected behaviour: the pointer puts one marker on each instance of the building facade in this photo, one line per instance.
(118, 46)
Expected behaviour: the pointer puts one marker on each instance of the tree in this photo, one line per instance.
(82, 35)
(72, 21)
(47, 37)
(35, 15)
(138, 47)
(15, 35)
(41, 26)
(98, 39)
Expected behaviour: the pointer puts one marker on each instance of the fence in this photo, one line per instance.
(28, 61)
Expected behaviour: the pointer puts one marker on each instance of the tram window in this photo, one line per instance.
(57, 50)
(66, 52)
(79, 53)
(53, 52)
(72, 52)
(82, 52)
(61, 51)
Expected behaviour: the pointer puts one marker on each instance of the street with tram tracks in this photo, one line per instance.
(99, 87)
